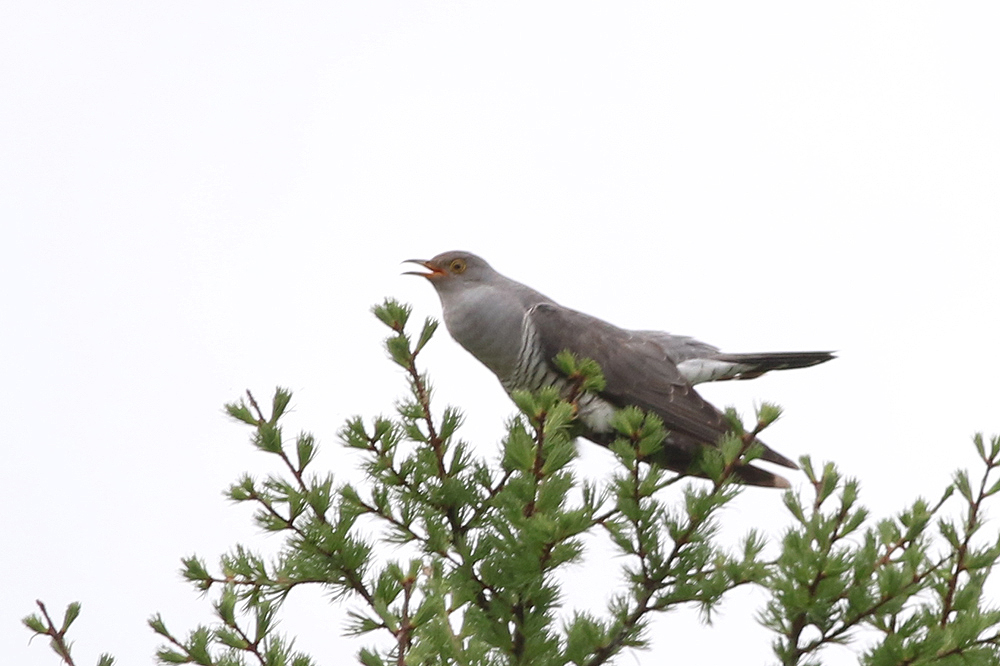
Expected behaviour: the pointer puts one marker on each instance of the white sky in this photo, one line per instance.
(198, 198)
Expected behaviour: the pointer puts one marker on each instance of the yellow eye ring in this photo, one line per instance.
(457, 266)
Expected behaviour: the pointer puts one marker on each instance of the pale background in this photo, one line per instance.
(198, 198)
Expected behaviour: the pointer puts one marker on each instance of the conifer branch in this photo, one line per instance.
(486, 540)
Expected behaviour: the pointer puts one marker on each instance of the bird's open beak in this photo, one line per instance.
(434, 270)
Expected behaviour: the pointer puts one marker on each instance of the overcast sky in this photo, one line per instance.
(199, 198)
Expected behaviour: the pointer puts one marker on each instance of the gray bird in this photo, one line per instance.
(516, 332)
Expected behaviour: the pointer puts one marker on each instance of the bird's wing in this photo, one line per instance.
(680, 348)
(637, 370)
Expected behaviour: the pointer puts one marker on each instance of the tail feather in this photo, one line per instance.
(755, 365)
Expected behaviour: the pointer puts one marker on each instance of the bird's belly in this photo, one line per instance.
(596, 413)
(593, 411)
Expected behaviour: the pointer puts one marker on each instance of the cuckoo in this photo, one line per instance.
(516, 332)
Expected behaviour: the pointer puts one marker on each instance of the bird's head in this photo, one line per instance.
(453, 270)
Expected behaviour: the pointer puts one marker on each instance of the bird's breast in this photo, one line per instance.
(533, 372)
(487, 327)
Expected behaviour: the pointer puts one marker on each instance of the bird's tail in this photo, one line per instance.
(748, 366)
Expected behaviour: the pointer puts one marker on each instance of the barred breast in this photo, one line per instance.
(533, 372)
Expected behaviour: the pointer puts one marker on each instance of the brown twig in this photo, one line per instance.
(58, 636)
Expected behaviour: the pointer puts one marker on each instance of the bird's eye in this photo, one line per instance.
(457, 266)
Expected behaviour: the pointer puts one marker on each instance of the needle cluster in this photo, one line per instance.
(444, 556)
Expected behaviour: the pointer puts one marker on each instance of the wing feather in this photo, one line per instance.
(638, 372)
